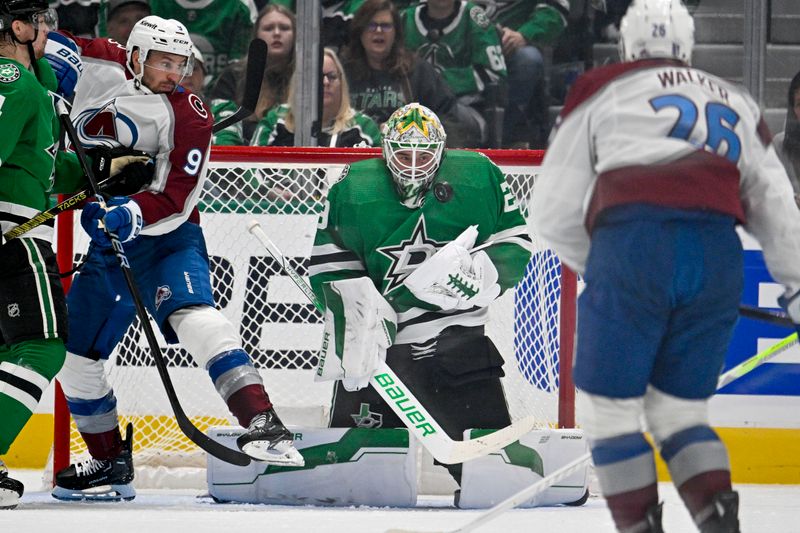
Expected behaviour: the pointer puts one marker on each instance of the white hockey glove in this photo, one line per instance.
(359, 327)
(453, 279)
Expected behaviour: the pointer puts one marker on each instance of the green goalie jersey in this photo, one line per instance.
(30, 163)
(366, 231)
(466, 50)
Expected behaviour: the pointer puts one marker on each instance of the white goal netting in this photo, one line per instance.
(284, 190)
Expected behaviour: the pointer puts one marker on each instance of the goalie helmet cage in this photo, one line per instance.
(284, 189)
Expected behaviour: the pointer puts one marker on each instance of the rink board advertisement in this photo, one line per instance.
(759, 409)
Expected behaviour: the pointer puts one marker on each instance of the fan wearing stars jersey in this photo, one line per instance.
(131, 98)
(392, 263)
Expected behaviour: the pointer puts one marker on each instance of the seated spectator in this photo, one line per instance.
(219, 28)
(525, 26)
(196, 81)
(462, 44)
(336, 17)
(120, 17)
(385, 76)
(787, 143)
(275, 25)
(341, 125)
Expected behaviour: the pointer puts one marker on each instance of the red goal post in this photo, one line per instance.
(284, 188)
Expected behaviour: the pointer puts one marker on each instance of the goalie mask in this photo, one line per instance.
(413, 144)
(656, 28)
(162, 35)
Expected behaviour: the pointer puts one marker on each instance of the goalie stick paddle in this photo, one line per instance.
(256, 65)
(401, 400)
(205, 442)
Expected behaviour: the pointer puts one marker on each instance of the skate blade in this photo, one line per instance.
(282, 454)
(112, 493)
(8, 499)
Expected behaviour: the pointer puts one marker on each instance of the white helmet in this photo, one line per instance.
(656, 28)
(414, 132)
(163, 35)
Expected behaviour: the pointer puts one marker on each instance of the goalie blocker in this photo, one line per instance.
(379, 467)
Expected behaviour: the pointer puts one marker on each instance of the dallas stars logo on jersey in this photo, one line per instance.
(9, 73)
(408, 255)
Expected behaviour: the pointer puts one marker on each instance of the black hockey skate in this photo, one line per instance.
(268, 440)
(99, 480)
(10, 489)
(725, 518)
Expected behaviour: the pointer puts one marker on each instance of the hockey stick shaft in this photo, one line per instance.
(256, 65)
(401, 400)
(757, 360)
(771, 317)
(195, 435)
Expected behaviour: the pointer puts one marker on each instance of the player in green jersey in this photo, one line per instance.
(394, 246)
(33, 315)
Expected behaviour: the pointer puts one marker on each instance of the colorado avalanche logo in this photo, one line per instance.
(197, 105)
(106, 126)
(163, 294)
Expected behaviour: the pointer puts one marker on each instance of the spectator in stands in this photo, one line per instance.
(787, 143)
(121, 15)
(457, 38)
(526, 26)
(219, 28)
(341, 124)
(196, 81)
(275, 25)
(384, 75)
(78, 18)
(336, 17)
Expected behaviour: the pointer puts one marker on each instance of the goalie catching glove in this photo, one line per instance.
(360, 326)
(454, 279)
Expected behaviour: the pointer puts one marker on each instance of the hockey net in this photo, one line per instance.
(284, 190)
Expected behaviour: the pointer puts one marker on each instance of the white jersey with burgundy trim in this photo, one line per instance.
(174, 128)
(662, 133)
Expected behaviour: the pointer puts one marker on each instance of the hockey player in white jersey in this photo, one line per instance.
(131, 98)
(651, 166)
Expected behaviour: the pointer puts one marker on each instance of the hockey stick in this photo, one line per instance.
(401, 400)
(195, 435)
(771, 317)
(540, 486)
(517, 498)
(256, 64)
(757, 360)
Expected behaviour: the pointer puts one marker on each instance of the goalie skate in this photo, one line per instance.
(268, 440)
(99, 480)
(10, 489)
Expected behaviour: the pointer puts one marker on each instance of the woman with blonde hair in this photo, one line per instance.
(341, 124)
(275, 25)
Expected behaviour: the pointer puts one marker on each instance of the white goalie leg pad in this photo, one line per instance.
(667, 414)
(357, 466)
(83, 378)
(359, 343)
(602, 417)
(205, 332)
(488, 480)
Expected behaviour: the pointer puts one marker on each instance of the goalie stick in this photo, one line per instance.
(190, 430)
(551, 479)
(256, 64)
(400, 398)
